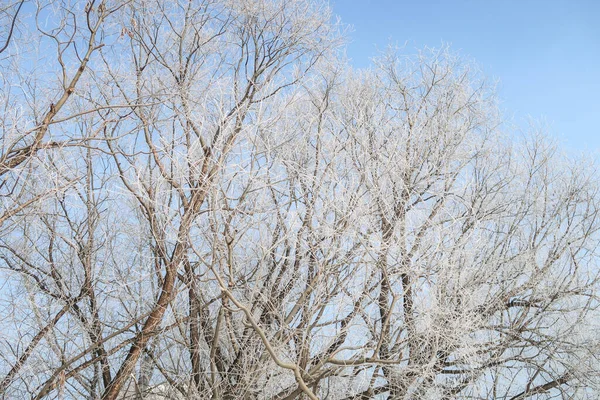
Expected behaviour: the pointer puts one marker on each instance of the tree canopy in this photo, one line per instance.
(202, 199)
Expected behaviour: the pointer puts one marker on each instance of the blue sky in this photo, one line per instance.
(545, 54)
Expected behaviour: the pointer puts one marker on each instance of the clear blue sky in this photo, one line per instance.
(545, 53)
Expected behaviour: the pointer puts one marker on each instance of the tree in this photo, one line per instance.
(201, 200)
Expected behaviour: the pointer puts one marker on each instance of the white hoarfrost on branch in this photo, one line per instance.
(201, 199)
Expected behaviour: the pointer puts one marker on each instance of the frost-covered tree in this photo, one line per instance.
(200, 199)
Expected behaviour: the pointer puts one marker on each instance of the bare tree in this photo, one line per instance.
(201, 200)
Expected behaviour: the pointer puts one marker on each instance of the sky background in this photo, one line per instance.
(545, 53)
